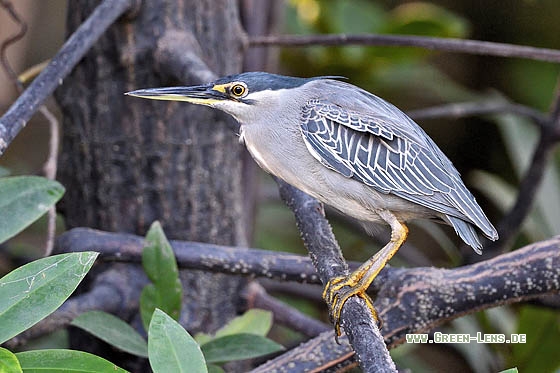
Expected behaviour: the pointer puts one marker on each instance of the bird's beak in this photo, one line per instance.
(201, 94)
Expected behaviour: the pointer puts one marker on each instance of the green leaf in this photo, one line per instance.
(510, 370)
(112, 330)
(540, 352)
(171, 348)
(9, 362)
(238, 347)
(148, 303)
(23, 199)
(31, 292)
(254, 321)
(56, 361)
(214, 369)
(159, 264)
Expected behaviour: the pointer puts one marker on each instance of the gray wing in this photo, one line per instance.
(390, 158)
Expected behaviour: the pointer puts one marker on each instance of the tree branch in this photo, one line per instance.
(257, 297)
(443, 44)
(420, 299)
(467, 109)
(178, 57)
(408, 300)
(318, 238)
(17, 116)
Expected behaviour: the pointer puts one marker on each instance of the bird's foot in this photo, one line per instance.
(338, 290)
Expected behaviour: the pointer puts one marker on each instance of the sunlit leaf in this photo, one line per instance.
(112, 330)
(171, 348)
(238, 347)
(31, 292)
(56, 361)
(9, 362)
(23, 199)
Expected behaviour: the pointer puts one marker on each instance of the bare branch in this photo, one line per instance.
(318, 238)
(443, 44)
(467, 109)
(7, 5)
(257, 297)
(420, 299)
(178, 57)
(17, 116)
(124, 247)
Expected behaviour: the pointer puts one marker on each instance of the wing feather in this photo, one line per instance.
(387, 157)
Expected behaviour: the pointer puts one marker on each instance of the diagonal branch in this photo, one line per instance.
(318, 238)
(486, 48)
(17, 116)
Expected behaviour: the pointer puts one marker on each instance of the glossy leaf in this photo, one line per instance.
(23, 199)
(112, 330)
(171, 348)
(33, 291)
(9, 362)
(159, 264)
(56, 361)
(238, 347)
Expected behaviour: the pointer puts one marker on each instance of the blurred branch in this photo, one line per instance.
(320, 354)
(257, 297)
(486, 48)
(532, 180)
(467, 109)
(17, 116)
(9, 8)
(51, 163)
(178, 56)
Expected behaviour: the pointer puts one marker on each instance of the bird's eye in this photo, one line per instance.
(238, 90)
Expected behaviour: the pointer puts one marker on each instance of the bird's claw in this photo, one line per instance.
(337, 291)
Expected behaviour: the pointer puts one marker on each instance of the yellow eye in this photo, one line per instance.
(238, 90)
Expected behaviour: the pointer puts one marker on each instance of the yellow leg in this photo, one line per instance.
(339, 289)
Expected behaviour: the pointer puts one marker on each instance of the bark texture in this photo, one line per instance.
(127, 162)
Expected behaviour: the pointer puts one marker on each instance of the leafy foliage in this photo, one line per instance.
(171, 348)
(33, 291)
(159, 263)
(23, 199)
(112, 330)
(56, 361)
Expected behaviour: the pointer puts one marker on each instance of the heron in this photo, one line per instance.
(349, 149)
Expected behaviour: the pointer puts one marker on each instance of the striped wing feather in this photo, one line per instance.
(388, 158)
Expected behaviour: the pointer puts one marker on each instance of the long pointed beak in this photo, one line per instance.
(202, 94)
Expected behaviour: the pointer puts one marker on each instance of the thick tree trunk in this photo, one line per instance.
(127, 162)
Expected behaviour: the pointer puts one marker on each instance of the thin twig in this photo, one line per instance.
(17, 116)
(467, 109)
(50, 168)
(9, 8)
(443, 44)
(51, 163)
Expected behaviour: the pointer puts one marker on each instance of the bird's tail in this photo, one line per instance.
(467, 232)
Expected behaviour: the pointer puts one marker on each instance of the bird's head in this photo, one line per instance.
(240, 95)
